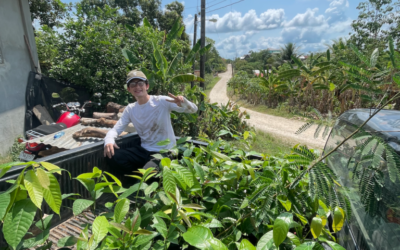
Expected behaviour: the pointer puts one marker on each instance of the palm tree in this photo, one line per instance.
(289, 50)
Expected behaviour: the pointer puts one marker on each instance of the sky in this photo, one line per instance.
(253, 25)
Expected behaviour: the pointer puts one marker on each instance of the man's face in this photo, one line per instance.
(138, 88)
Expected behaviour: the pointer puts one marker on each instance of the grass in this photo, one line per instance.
(211, 85)
(267, 144)
(281, 112)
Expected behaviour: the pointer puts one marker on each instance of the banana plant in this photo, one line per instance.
(167, 74)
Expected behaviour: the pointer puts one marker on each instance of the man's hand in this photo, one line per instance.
(109, 149)
(176, 99)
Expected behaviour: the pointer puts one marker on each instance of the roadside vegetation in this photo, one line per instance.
(209, 83)
(352, 73)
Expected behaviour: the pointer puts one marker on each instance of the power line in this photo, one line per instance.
(216, 4)
(225, 6)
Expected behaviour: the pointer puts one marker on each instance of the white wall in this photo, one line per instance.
(14, 70)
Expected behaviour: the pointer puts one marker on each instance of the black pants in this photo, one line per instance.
(127, 160)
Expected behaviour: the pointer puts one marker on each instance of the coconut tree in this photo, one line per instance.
(288, 51)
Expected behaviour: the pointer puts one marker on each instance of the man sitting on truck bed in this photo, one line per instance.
(150, 115)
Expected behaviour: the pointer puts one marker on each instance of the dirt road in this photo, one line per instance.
(280, 127)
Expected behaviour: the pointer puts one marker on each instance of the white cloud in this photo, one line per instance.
(234, 21)
(236, 46)
(311, 30)
(336, 10)
(309, 18)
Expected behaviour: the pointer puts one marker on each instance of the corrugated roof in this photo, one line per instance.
(67, 142)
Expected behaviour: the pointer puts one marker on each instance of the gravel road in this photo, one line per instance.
(279, 127)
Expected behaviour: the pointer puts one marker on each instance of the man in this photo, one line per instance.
(150, 116)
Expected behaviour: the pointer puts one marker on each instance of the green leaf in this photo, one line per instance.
(316, 227)
(334, 245)
(34, 188)
(164, 143)
(162, 63)
(99, 228)
(121, 209)
(216, 244)
(281, 227)
(219, 155)
(130, 191)
(5, 167)
(137, 220)
(114, 178)
(169, 181)
(46, 223)
(50, 167)
(306, 246)
(198, 236)
(199, 171)
(18, 221)
(43, 178)
(52, 195)
(294, 239)
(302, 219)
(143, 239)
(360, 55)
(80, 205)
(285, 202)
(205, 49)
(183, 140)
(175, 32)
(374, 57)
(95, 174)
(101, 185)
(146, 23)
(166, 162)
(64, 196)
(160, 226)
(266, 242)
(88, 183)
(4, 202)
(246, 245)
(130, 56)
(185, 174)
(37, 240)
(193, 52)
(120, 227)
(186, 78)
(214, 223)
(338, 219)
(67, 241)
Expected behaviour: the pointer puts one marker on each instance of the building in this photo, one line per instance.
(256, 72)
(16, 61)
(274, 51)
(245, 57)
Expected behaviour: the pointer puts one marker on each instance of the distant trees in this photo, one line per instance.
(377, 20)
(48, 12)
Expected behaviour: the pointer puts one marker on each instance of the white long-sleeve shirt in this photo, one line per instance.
(152, 121)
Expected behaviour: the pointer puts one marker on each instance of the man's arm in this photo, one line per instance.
(181, 104)
(109, 140)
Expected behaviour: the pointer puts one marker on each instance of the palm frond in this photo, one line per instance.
(304, 127)
(318, 130)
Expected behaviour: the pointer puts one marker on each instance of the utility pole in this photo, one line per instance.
(194, 43)
(203, 41)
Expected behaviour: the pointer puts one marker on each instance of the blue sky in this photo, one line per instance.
(261, 24)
